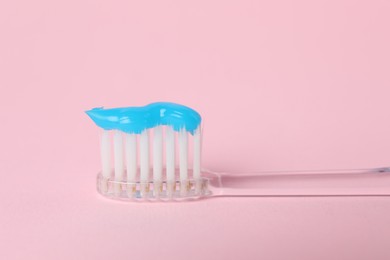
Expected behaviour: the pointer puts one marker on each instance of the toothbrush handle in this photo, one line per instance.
(370, 182)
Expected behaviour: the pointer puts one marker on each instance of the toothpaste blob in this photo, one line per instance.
(136, 119)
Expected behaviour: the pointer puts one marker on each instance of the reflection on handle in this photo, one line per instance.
(366, 182)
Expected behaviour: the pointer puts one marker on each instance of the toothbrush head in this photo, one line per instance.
(177, 190)
(156, 152)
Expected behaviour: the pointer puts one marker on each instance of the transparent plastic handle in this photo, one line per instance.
(369, 182)
(365, 182)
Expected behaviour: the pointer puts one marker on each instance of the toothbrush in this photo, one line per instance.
(148, 140)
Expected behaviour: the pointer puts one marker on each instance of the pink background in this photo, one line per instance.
(282, 85)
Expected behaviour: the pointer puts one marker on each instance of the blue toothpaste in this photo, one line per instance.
(136, 119)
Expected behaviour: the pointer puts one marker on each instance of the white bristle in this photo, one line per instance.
(118, 156)
(131, 157)
(137, 161)
(105, 154)
(157, 154)
(197, 150)
(170, 153)
(183, 156)
(144, 156)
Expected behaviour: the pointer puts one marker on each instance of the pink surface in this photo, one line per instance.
(282, 85)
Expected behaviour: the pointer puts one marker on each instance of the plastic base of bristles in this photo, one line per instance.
(190, 189)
